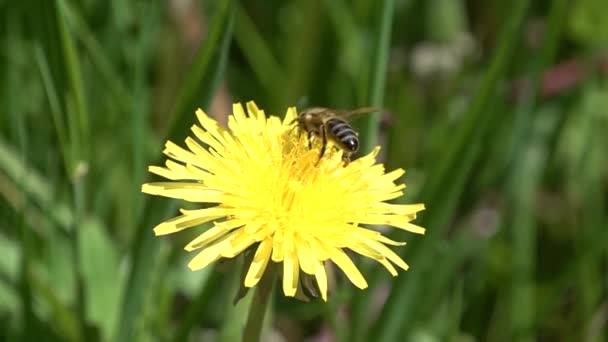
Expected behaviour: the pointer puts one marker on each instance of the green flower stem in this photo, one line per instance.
(258, 308)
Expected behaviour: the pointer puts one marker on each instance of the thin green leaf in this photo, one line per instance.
(446, 181)
(55, 105)
(259, 55)
(302, 52)
(378, 74)
(99, 58)
(78, 120)
(204, 76)
(371, 128)
(526, 175)
(197, 91)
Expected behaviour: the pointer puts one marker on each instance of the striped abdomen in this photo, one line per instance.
(342, 134)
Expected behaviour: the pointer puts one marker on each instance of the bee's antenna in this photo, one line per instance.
(293, 124)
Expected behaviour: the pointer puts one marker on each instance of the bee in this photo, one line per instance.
(331, 125)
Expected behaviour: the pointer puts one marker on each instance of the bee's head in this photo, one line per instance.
(301, 119)
(306, 117)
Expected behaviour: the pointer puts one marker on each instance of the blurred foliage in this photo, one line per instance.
(498, 110)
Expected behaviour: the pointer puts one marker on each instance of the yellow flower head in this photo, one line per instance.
(271, 193)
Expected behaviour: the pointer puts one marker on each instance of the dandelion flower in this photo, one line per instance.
(270, 194)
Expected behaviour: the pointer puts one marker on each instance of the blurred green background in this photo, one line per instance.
(497, 109)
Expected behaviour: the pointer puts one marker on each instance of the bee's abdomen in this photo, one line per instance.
(343, 134)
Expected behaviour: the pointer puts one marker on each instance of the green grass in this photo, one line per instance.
(510, 164)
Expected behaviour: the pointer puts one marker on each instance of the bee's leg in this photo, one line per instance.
(310, 135)
(292, 128)
(346, 158)
(324, 145)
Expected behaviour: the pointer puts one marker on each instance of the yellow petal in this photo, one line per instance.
(318, 250)
(210, 254)
(321, 277)
(407, 226)
(388, 253)
(182, 222)
(207, 160)
(291, 272)
(214, 232)
(239, 114)
(395, 221)
(259, 263)
(277, 253)
(173, 171)
(391, 269)
(394, 175)
(197, 173)
(363, 233)
(253, 227)
(255, 112)
(406, 209)
(350, 270)
(212, 133)
(191, 192)
(238, 245)
(176, 152)
(277, 245)
(388, 241)
(208, 139)
(290, 115)
(205, 238)
(363, 249)
(305, 258)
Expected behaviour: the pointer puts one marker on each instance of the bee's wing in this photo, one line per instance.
(349, 114)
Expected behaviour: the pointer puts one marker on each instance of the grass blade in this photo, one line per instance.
(55, 105)
(444, 186)
(526, 175)
(370, 139)
(303, 51)
(115, 84)
(259, 55)
(589, 264)
(204, 76)
(378, 82)
(78, 122)
(198, 90)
